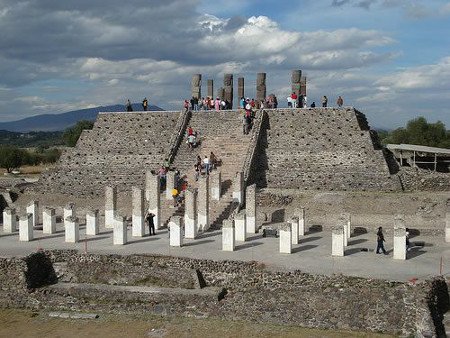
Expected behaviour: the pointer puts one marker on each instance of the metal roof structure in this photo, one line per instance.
(414, 152)
(413, 147)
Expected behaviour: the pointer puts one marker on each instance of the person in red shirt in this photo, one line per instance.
(190, 131)
(294, 100)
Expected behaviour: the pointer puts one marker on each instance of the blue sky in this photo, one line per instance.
(388, 58)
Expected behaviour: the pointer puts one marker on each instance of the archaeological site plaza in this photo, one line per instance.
(282, 230)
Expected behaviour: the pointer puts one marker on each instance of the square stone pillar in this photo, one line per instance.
(216, 185)
(33, 208)
(176, 231)
(238, 187)
(285, 232)
(190, 213)
(228, 236)
(48, 221)
(337, 241)
(110, 206)
(300, 213)
(399, 237)
(119, 231)
(250, 209)
(9, 220)
(26, 228)
(154, 198)
(348, 224)
(240, 227)
(92, 223)
(138, 229)
(342, 221)
(170, 184)
(69, 210)
(295, 230)
(203, 203)
(447, 223)
(72, 229)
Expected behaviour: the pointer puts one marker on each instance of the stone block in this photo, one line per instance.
(337, 241)
(348, 225)
(285, 235)
(190, 213)
(240, 227)
(210, 84)
(203, 203)
(300, 214)
(342, 221)
(261, 86)
(92, 223)
(250, 209)
(110, 205)
(72, 229)
(154, 198)
(9, 220)
(228, 235)
(33, 208)
(399, 237)
(26, 228)
(69, 210)
(176, 231)
(170, 177)
(120, 235)
(294, 222)
(238, 187)
(49, 220)
(216, 185)
(138, 229)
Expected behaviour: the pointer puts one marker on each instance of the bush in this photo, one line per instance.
(11, 157)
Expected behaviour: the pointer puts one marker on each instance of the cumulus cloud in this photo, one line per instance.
(63, 55)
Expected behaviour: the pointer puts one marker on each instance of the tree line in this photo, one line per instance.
(12, 156)
(419, 132)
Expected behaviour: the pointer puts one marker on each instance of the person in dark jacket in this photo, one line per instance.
(380, 241)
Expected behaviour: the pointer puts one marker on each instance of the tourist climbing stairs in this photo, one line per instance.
(220, 133)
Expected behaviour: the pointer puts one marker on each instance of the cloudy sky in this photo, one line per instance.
(388, 58)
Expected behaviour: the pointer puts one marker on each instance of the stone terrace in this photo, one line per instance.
(323, 149)
(117, 151)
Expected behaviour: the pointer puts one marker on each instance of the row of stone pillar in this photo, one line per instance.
(226, 92)
(298, 83)
(28, 222)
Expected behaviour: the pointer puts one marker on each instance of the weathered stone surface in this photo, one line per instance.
(250, 209)
(197, 86)
(210, 88)
(228, 88)
(241, 88)
(228, 235)
(72, 229)
(331, 149)
(176, 228)
(138, 229)
(92, 222)
(26, 228)
(285, 233)
(49, 221)
(261, 87)
(9, 220)
(190, 214)
(337, 240)
(336, 302)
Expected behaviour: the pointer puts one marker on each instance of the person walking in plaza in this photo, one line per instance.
(340, 101)
(380, 241)
(151, 225)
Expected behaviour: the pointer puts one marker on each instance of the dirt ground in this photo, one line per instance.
(18, 323)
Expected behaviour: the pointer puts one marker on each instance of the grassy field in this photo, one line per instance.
(18, 323)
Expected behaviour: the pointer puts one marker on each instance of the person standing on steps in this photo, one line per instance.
(145, 104)
(151, 225)
(340, 101)
(129, 106)
(380, 241)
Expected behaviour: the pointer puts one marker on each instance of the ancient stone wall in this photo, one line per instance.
(117, 151)
(323, 149)
(291, 298)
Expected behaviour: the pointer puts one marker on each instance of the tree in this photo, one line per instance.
(418, 131)
(72, 134)
(11, 157)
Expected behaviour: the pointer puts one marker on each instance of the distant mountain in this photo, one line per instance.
(57, 122)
